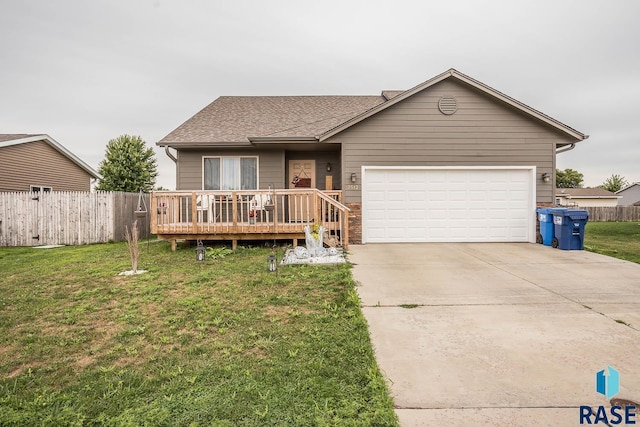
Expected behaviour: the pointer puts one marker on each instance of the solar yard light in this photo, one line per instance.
(272, 264)
(201, 252)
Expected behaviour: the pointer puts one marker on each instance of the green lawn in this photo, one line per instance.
(219, 343)
(616, 239)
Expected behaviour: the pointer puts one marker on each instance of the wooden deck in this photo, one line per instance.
(248, 215)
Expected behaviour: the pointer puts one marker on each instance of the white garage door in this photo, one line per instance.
(448, 205)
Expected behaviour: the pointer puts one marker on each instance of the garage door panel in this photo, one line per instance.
(436, 205)
(417, 195)
(396, 196)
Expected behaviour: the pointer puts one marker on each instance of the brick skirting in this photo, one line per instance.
(355, 223)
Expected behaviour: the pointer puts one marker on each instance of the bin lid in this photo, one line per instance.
(558, 211)
(577, 214)
(543, 210)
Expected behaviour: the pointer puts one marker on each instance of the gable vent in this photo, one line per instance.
(448, 105)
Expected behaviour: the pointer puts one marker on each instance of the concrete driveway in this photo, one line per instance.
(502, 334)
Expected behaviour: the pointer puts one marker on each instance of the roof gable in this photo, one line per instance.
(628, 187)
(7, 140)
(452, 73)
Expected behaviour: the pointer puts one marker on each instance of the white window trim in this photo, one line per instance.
(42, 188)
(235, 157)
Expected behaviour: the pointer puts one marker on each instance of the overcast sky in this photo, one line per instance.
(85, 71)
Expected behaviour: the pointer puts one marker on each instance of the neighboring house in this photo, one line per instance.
(40, 163)
(585, 197)
(630, 195)
(451, 159)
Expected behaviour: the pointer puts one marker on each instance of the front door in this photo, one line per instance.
(302, 175)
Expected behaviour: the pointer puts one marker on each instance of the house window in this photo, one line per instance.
(38, 188)
(230, 173)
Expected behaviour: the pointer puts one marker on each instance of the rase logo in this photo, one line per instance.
(608, 384)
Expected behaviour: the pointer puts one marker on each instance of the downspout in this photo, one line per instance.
(175, 160)
(171, 156)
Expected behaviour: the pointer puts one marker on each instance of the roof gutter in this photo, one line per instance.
(565, 148)
(281, 139)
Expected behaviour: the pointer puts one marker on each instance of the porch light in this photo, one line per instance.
(272, 264)
(201, 252)
(328, 167)
(546, 177)
(353, 177)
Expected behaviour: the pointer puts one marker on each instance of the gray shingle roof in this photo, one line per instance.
(234, 119)
(240, 120)
(585, 192)
(13, 136)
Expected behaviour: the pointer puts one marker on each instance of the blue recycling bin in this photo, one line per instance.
(569, 229)
(545, 217)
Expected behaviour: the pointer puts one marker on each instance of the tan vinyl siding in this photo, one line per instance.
(37, 163)
(483, 132)
(271, 166)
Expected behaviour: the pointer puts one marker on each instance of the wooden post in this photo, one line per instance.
(173, 245)
(234, 212)
(154, 213)
(275, 213)
(345, 220)
(317, 204)
(194, 212)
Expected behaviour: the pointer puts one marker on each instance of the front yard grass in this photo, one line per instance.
(219, 343)
(615, 239)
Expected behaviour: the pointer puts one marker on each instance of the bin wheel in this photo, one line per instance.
(555, 243)
(539, 238)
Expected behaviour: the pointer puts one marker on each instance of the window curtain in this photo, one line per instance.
(230, 175)
(212, 174)
(249, 173)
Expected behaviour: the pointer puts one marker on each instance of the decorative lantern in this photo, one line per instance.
(201, 252)
(272, 263)
(546, 177)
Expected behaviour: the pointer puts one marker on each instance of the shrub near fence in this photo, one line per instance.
(614, 213)
(67, 217)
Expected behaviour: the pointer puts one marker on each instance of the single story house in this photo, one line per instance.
(449, 160)
(630, 195)
(585, 197)
(40, 163)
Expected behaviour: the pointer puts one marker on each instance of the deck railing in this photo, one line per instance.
(250, 214)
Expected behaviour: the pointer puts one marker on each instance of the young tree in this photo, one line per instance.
(568, 178)
(614, 183)
(128, 165)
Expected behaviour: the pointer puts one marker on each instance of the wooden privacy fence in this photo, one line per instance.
(614, 213)
(68, 217)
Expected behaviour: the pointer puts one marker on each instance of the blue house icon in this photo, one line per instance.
(608, 384)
